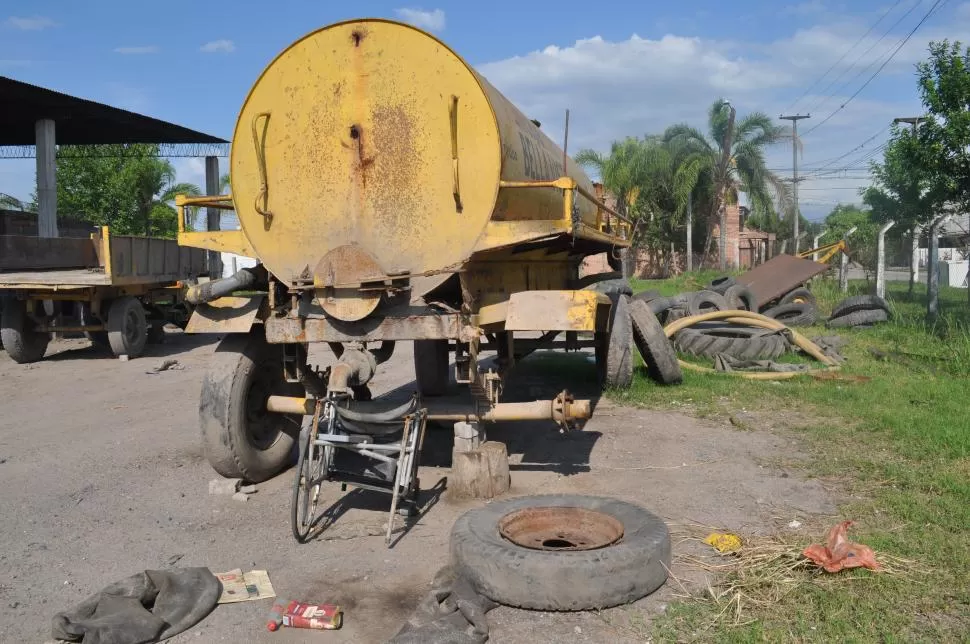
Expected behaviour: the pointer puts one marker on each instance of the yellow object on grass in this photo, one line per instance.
(723, 541)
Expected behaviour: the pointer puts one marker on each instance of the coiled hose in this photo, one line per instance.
(751, 318)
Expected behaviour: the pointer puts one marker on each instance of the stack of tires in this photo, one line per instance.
(797, 307)
(859, 311)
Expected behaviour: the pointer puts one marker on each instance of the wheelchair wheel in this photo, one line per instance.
(311, 470)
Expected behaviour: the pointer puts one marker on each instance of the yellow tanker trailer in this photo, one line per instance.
(389, 193)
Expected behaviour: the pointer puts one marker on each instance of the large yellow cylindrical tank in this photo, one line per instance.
(372, 141)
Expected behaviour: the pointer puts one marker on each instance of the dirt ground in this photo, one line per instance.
(103, 476)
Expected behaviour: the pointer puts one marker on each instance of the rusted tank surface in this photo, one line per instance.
(369, 149)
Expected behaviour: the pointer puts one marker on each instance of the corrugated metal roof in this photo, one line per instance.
(80, 121)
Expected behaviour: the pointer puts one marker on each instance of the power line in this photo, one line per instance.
(881, 67)
(826, 98)
(819, 165)
(847, 52)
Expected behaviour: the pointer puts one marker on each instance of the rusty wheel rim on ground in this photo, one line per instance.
(560, 529)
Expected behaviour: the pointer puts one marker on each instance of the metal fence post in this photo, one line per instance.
(844, 264)
(881, 260)
(933, 269)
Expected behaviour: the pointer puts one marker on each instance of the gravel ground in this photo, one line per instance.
(103, 476)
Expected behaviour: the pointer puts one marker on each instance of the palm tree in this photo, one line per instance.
(155, 190)
(623, 171)
(732, 158)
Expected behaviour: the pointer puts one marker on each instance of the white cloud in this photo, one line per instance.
(637, 86)
(32, 23)
(225, 46)
(429, 20)
(141, 49)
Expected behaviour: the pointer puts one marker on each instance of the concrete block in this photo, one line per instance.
(224, 486)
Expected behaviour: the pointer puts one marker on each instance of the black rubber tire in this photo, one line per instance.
(589, 280)
(513, 575)
(744, 343)
(21, 342)
(647, 296)
(800, 295)
(721, 284)
(240, 438)
(865, 317)
(610, 287)
(740, 297)
(654, 346)
(431, 367)
(614, 348)
(793, 314)
(859, 303)
(706, 302)
(127, 327)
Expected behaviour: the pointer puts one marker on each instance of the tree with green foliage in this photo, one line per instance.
(739, 168)
(126, 187)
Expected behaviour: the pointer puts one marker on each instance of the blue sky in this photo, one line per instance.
(621, 68)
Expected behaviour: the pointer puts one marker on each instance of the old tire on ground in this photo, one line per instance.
(859, 303)
(647, 296)
(240, 437)
(21, 342)
(721, 284)
(431, 367)
(744, 343)
(793, 314)
(657, 351)
(858, 318)
(626, 570)
(800, 295)
(706, 302)
(127, 327)
(614, 349)
(741, 297)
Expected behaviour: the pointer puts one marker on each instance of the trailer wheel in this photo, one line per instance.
(127, 327)
(431, 366)
(614, 348)
(22, 343)
(240, 437)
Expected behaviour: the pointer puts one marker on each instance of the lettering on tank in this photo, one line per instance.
(538, 164)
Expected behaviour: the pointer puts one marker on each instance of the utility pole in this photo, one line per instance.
(794, 118)
(725, 159)
(914, 257)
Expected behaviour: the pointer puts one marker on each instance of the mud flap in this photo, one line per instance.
(225, 315)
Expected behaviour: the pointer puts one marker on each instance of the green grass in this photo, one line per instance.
(900, 442)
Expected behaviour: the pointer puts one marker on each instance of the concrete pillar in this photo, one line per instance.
(212, 215)
(815, 241)
(914, 259)
(933, 270)
(881, 260)
(46, 178)
(844, 264)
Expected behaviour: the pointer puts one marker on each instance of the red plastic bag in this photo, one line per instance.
(839, 552)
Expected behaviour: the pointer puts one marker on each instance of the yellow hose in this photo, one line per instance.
(751, 318)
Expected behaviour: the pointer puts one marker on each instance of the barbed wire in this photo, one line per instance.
(166, 150)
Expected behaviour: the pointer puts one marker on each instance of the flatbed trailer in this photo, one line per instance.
(118, 290)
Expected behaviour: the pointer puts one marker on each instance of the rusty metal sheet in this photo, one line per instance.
(415, 324)
(779, 275)
(225, 315)
(19, 252)
(554, 310)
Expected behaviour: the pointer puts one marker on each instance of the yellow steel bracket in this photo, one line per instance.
(224, 241)
(623, 225)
